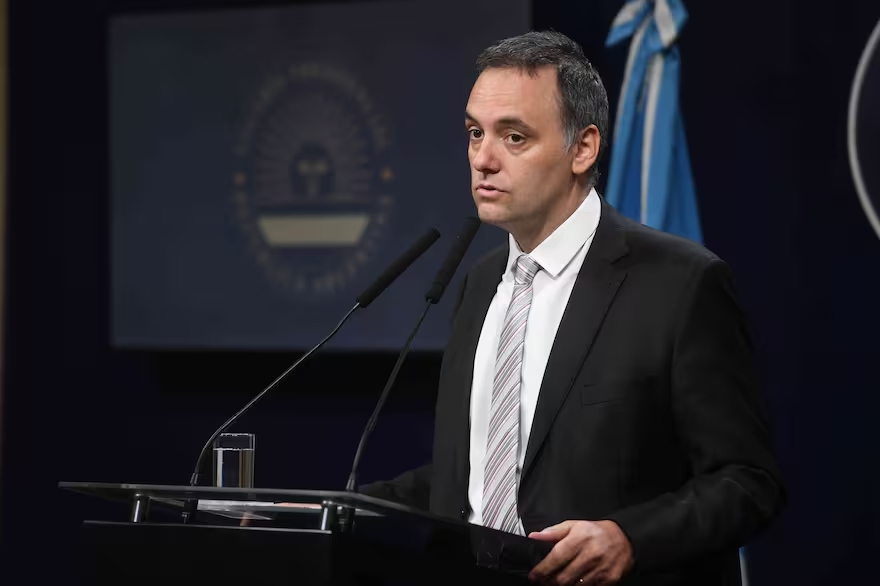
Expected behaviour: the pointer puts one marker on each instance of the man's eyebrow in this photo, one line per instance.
(506, 121)
(513, 121)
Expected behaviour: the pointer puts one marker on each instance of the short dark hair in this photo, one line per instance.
(583, 97)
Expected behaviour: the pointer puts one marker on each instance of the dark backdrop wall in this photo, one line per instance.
(765, 88)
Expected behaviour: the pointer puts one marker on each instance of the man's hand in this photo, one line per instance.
(586, 552)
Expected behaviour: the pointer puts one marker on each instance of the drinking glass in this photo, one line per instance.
(234, 460)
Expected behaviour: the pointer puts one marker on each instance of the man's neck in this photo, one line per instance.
(529, 236)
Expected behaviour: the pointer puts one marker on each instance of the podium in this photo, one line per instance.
(270, 537)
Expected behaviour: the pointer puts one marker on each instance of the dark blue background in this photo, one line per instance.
(182, 90)
(765, 89)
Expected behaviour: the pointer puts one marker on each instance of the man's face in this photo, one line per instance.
(521, 173)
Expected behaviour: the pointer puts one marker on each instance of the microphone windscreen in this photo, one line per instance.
(396, 268)
(456, 253)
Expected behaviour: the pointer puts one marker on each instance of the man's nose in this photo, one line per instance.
(485, 158)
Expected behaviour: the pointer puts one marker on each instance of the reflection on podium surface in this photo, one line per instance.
(312, 537)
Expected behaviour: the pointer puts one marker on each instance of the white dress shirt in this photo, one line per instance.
(560, 255)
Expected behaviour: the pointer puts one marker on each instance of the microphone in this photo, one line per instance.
(441, 281)
(363, 300)
(395, 269)
(453, 259)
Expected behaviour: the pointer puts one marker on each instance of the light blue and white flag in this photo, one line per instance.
(650, 176)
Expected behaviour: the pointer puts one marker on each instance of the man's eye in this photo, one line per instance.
(516, 138)
(476, 133)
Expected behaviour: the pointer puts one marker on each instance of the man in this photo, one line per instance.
(596, 390)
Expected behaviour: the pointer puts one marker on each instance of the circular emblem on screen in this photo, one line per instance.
(313, 183)
(863, 132)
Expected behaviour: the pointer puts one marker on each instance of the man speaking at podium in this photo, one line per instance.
(596, 390)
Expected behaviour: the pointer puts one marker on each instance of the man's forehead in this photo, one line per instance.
(511, 93)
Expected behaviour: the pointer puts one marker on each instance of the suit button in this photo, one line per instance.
(463, 513)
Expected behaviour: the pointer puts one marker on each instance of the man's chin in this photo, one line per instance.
(491, 213)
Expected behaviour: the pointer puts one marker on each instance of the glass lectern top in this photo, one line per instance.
(378, 520)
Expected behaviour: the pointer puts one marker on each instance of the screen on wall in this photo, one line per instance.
(267, 164)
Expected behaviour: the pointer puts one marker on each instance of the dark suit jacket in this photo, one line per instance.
(649, 413)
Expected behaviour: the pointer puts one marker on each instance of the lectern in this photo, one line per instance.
(248, 536)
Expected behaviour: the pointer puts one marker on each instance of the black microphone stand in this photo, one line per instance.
(364, 299)
(351, 485)
(191, 505)
(432, 297)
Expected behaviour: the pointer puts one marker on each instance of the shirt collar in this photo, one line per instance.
(558, 249)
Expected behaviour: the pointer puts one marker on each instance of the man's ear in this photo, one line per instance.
(586, 150)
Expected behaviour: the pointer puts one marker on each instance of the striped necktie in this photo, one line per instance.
(499, 482)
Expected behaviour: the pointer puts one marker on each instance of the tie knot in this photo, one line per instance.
(526, 269)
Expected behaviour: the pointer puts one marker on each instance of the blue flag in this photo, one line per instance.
(650, 176)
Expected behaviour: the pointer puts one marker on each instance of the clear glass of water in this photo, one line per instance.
(234, 460)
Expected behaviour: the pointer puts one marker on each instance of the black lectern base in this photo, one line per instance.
(248, 537)
(144, 553)
(125, 553)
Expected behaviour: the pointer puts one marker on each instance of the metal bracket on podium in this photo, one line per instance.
(329, 515)
(140, 508)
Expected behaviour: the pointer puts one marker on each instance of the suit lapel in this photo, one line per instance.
(594, 290)
(483, 283)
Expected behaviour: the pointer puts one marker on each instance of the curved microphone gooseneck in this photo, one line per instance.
(441, 281)
(363, 300)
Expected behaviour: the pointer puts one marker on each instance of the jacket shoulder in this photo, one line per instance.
(655, 246)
